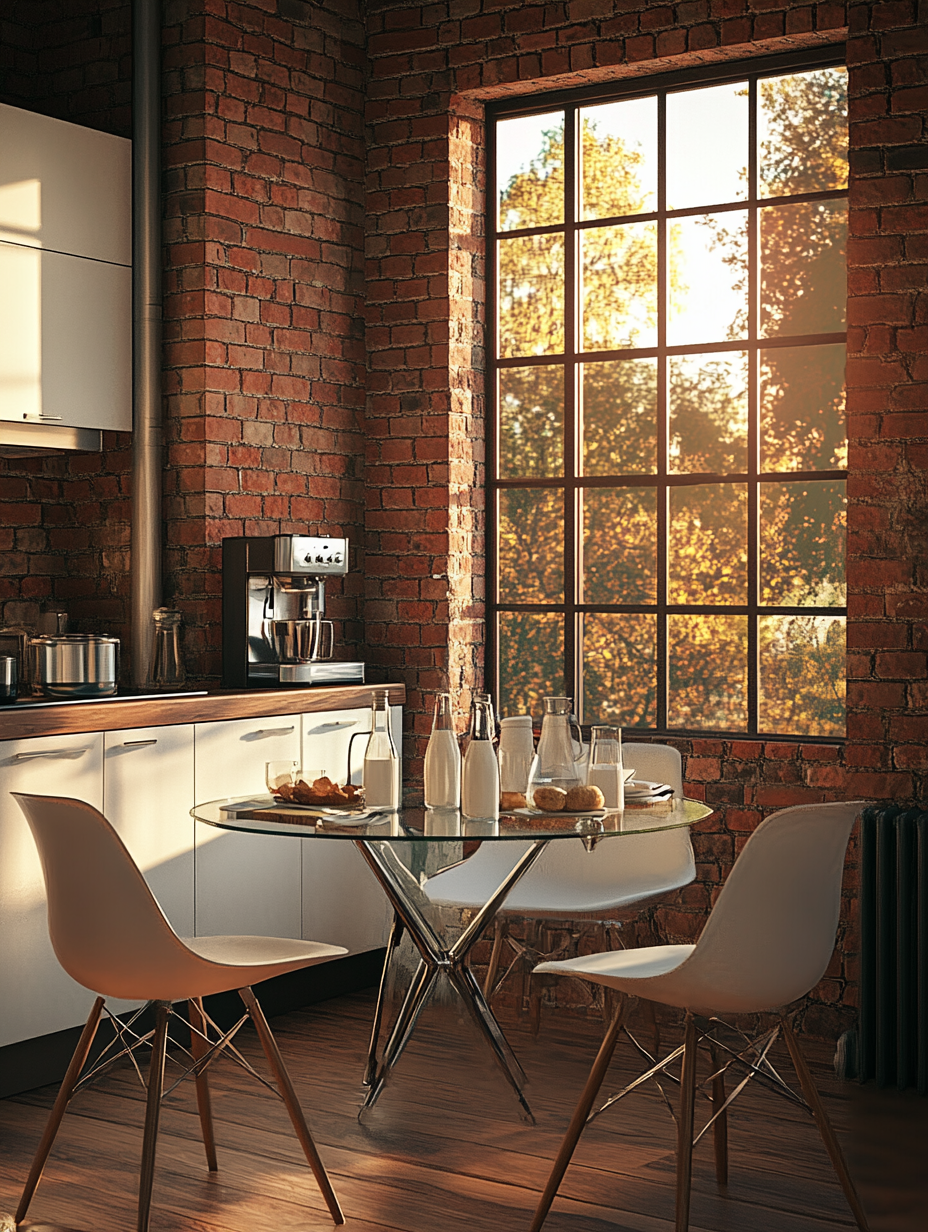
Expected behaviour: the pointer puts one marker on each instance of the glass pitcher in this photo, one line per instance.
(554, 764)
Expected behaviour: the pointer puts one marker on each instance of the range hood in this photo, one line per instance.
(29, 440)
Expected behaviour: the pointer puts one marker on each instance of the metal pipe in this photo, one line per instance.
(146, 320)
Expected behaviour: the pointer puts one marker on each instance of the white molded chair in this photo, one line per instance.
(568, 881)
(110, 935)
(766, 943)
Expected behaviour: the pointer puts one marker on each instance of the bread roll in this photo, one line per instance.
(580, 798)
(512, 799)
(551, 799)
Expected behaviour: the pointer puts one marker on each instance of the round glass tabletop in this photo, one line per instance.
(263, 815)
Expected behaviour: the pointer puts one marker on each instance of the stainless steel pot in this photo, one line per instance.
(76, 664)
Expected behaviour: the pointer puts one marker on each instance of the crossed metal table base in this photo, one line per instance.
(412, 910)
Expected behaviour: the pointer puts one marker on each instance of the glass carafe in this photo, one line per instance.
(604, 767)
(166, 666)
(443, 759)
(381, 763)
(554, 764)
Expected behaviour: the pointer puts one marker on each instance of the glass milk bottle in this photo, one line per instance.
(381, 763)
(604, 768)
(443, 759)
(480, 776)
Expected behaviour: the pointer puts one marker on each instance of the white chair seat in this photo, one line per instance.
(623, 969)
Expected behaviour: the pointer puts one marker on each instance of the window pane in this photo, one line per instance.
(802, 426)
(708, 671)
(619, 669)
(709, 413)
(802, 675)
(707, 146)
(531, 295)
(619, 294)
(619, 151)
(531, 660)
(803, 278)
(707, 557)
(531, 422)
(802, 132)
(531, 546)
(708, 257)
(530, 171)
(620, 417)
(620, 545)
(802, 543)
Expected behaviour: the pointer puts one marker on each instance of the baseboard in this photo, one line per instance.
(38, 1062)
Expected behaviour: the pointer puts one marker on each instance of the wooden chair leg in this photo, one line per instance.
(720, 1125)
(685, 1127)
(822, 1120)
(78, 1060)
(198, 1047)
(578, 1120)
(285, 1085)
(153, 1112)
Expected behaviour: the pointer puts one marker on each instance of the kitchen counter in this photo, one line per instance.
(23, 719)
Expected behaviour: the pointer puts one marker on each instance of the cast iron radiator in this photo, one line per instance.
(893, 1016)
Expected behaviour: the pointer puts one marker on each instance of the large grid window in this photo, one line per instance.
(666, 461)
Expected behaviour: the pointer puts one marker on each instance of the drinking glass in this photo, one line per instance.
(279, 774)
(604, 768)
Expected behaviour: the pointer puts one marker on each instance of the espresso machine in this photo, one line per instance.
(274, 630)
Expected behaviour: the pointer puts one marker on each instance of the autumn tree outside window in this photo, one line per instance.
(666, 462)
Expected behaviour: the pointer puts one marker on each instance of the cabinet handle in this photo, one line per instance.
(67, 754)
(137, 744)
(275, 731)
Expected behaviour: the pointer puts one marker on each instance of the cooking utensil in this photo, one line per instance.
(76, 665)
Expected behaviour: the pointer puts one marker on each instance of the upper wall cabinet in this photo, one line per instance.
(64, 187)
(65, 274)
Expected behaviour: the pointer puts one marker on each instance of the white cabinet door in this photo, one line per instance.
(65, 340)
(37, 996)
(246, 884)
(342, 902)
(147, 795)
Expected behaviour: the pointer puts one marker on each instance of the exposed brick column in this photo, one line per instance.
(263, 330)
(887, 747)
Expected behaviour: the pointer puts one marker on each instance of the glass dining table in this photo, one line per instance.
(383, 838)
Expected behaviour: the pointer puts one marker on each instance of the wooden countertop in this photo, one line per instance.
(18, 722)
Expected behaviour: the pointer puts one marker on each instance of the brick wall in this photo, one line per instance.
(431, 69)
(264, 346)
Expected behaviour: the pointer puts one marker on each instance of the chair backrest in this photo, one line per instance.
(568, 878)
(771, 933)
(105, 925)
(655, 763)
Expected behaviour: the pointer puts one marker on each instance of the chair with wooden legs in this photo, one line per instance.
(766, 943)
(110, 935)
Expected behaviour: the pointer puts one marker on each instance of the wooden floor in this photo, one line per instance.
(444, 1151)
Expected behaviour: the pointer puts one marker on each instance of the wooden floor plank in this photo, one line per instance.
(444, 1151)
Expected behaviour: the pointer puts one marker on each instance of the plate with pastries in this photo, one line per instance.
(584, 800)
(320, 793)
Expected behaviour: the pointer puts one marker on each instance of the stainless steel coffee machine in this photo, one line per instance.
(273, 607)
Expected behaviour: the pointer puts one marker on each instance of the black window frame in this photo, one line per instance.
(570, 482)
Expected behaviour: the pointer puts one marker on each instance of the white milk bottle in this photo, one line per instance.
(381, 764)
(480, 777)
(443, 759)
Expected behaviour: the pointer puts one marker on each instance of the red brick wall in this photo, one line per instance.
(430, 71)
(264, 345)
